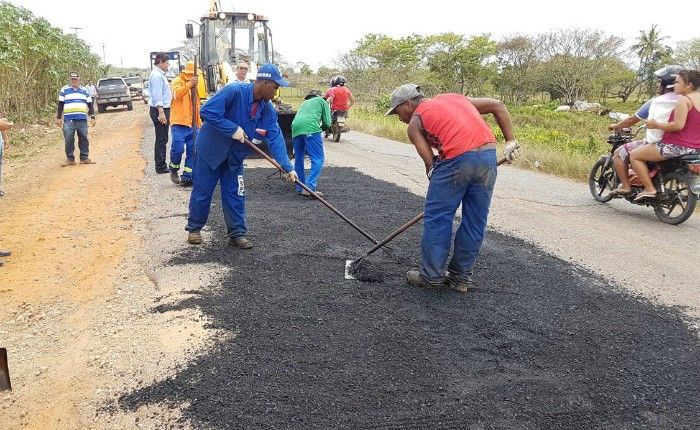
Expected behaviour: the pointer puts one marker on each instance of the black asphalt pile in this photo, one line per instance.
(537, 344)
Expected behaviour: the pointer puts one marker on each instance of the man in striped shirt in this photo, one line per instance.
(74, 106)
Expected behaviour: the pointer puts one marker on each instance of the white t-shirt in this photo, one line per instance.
(660, 110)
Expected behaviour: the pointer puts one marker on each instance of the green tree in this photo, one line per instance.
(517, 59)
(652, 52)
(688, 53)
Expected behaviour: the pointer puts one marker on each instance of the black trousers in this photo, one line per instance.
(161, 139)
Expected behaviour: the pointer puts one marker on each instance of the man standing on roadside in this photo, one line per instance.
(74, 106)
(181, 125)
(463, 172)
(5, 125)
(230, 116)
(159, 102)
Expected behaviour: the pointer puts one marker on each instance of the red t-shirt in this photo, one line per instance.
(452, 125)
(341, 97)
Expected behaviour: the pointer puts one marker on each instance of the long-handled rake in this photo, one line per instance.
(351, 265)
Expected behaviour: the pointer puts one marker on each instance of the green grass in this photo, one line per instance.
(561, 143)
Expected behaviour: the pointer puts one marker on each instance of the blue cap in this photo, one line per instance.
(270, 72)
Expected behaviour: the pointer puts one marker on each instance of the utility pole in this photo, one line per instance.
(76, 30)
(104, 58)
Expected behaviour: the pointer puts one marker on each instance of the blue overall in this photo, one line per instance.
(219, 158)
(467, 179)
(183, 142)
(311, 145)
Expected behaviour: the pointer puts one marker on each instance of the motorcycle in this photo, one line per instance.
(338, 127)
(677, 182)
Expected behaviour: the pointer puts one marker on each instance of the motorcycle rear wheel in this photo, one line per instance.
(681, 206)
(602, 180)
(336, 134)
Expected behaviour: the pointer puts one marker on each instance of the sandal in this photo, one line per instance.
(620, 192)
(645, 195)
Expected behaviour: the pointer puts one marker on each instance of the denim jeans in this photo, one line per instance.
(70, 127)
(467, 179)
(311, 145)
(183, 142)
(161, 143)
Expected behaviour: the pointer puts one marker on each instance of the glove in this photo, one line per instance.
(239, 135)
(512, 150)
(291, 176)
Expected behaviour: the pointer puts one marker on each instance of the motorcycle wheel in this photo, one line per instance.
(336, 134)
(602, 180)
(681, 204)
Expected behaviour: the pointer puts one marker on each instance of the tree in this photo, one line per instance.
(688, 53)
(651, 52)
(517, 58)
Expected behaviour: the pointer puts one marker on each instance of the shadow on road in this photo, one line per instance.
(539, 343)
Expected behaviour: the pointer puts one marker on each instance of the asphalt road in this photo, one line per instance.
(541, 342)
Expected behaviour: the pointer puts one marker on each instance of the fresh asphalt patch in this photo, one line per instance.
(538, 343)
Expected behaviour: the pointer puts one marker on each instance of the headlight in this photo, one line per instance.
(222, 15)
(251, 17)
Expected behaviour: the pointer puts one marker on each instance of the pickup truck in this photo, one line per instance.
(135, 84)
(113, 92)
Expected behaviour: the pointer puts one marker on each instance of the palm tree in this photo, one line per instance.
(651, 52)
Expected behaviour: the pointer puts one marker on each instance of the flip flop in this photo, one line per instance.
(620, 192)
(644, 195)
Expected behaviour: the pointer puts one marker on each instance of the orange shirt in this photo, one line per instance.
(452, 125)
(181, 106)
(341, 97)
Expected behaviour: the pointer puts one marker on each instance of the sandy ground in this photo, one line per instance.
(91, 244)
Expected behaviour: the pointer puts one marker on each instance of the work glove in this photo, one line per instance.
(239, 135)
(512, 150)
(291, 176)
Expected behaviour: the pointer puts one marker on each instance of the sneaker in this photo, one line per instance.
(460, 285)
(174, 177)
(194, 238)
(5, 252)
(414, 278)
(161, 171)
(87, 161)
(308, 194)
(186, 182)
(241, 242)
(68, 163)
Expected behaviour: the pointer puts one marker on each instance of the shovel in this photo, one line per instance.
(351, 264)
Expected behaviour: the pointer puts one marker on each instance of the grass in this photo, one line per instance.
(561, 143)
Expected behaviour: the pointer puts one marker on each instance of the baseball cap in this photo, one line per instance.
(270, 72)
(74, 75)
(401, 94)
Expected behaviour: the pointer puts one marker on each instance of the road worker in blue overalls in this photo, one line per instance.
(238, 111)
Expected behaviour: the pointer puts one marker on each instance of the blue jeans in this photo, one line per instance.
(183, 142)
(467, 179)
(70, 127)
(311, 145)
(230, 173)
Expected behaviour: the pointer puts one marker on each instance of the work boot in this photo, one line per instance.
(86, 161)
(461, 285)
(5, 252)
(308, 194)
(194, 238)
(186, 182)
(414, 278)
(241, 242)
(174, 177)
(68, 162)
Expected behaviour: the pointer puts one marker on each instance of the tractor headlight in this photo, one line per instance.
(251, 17)
(222, 15)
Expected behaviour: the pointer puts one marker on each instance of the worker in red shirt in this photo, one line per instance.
(463, 172)
(339, 97)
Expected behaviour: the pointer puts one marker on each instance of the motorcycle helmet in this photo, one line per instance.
(667, 75)
(334, 81)
(340, 80)
(313, 93)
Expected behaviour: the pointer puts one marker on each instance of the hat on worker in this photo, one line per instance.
(401, 94)
(189, 68)
(270, 72)
(74, 75)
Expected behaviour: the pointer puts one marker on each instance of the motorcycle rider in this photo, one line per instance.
(339, 97)
(659, 109)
